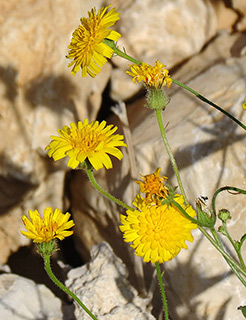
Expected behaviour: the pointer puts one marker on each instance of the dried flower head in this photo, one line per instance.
(153, 187)
(156, 76)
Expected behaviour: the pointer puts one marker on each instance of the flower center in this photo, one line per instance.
(86, 139)
(153, 184)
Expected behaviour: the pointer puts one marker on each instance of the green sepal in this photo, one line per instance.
(205, 217)
(171, 195)
(157, 98)
(47, 248)
(240, 243)
(222, 230)
(110, 43)
(86, 165)
(243, 309)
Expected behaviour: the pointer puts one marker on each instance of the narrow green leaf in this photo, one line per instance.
(242, 239)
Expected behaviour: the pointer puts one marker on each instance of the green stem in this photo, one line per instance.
(198, 95)
(237, 190)
(62, 287)
(224, 254)
(105, 193)
(179, 207)
(241, 259)
(216, 243)
(120, 53)
(217, 239)
(169, 152)
(162, 290)
(226, 233)
(126, 56)
(223, 189)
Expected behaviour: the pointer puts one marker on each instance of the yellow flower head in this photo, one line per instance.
(92, 141)
(157, 232)
(152, 186)
(87, 48)
(52, 225)
(244, 104)
(154, 77)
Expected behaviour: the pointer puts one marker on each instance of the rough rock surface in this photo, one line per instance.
(38, 95)
(240, 7)
(21, 298)
(154, 30)
(103, 287)
(210, 152)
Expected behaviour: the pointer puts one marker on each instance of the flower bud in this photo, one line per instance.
(157, 98)
(224, 215)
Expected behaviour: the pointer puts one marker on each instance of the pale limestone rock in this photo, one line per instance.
(210, 152)
(240, 7)
(170, 31)
(203, 283)
(152, 30)
(47, 194)
(146, 138)
(38, 96)
(21, 298)
(226, 17)
(103, 287)
(121, 85)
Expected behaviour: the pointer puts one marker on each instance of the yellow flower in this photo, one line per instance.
(153, 186)
(93, 141)
(157, 232)
(244, 104)
(52, 225)
(87, 48)
(155, 76)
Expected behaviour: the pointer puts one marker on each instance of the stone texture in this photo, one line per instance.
(103, 287)
(38, 95)
(210, 152)
(209, 290)
(240, 7)
(154, 30)
(21, 298)
(206, 71)
(226, 17)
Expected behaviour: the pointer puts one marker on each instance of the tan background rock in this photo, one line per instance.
(210, 151)
(41, 302)
(240, 7)
(105, 270)
(161, 30)
(38, 95)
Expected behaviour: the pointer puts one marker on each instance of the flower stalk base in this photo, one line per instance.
(62, 287)
(170, 154)
(164, 300)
